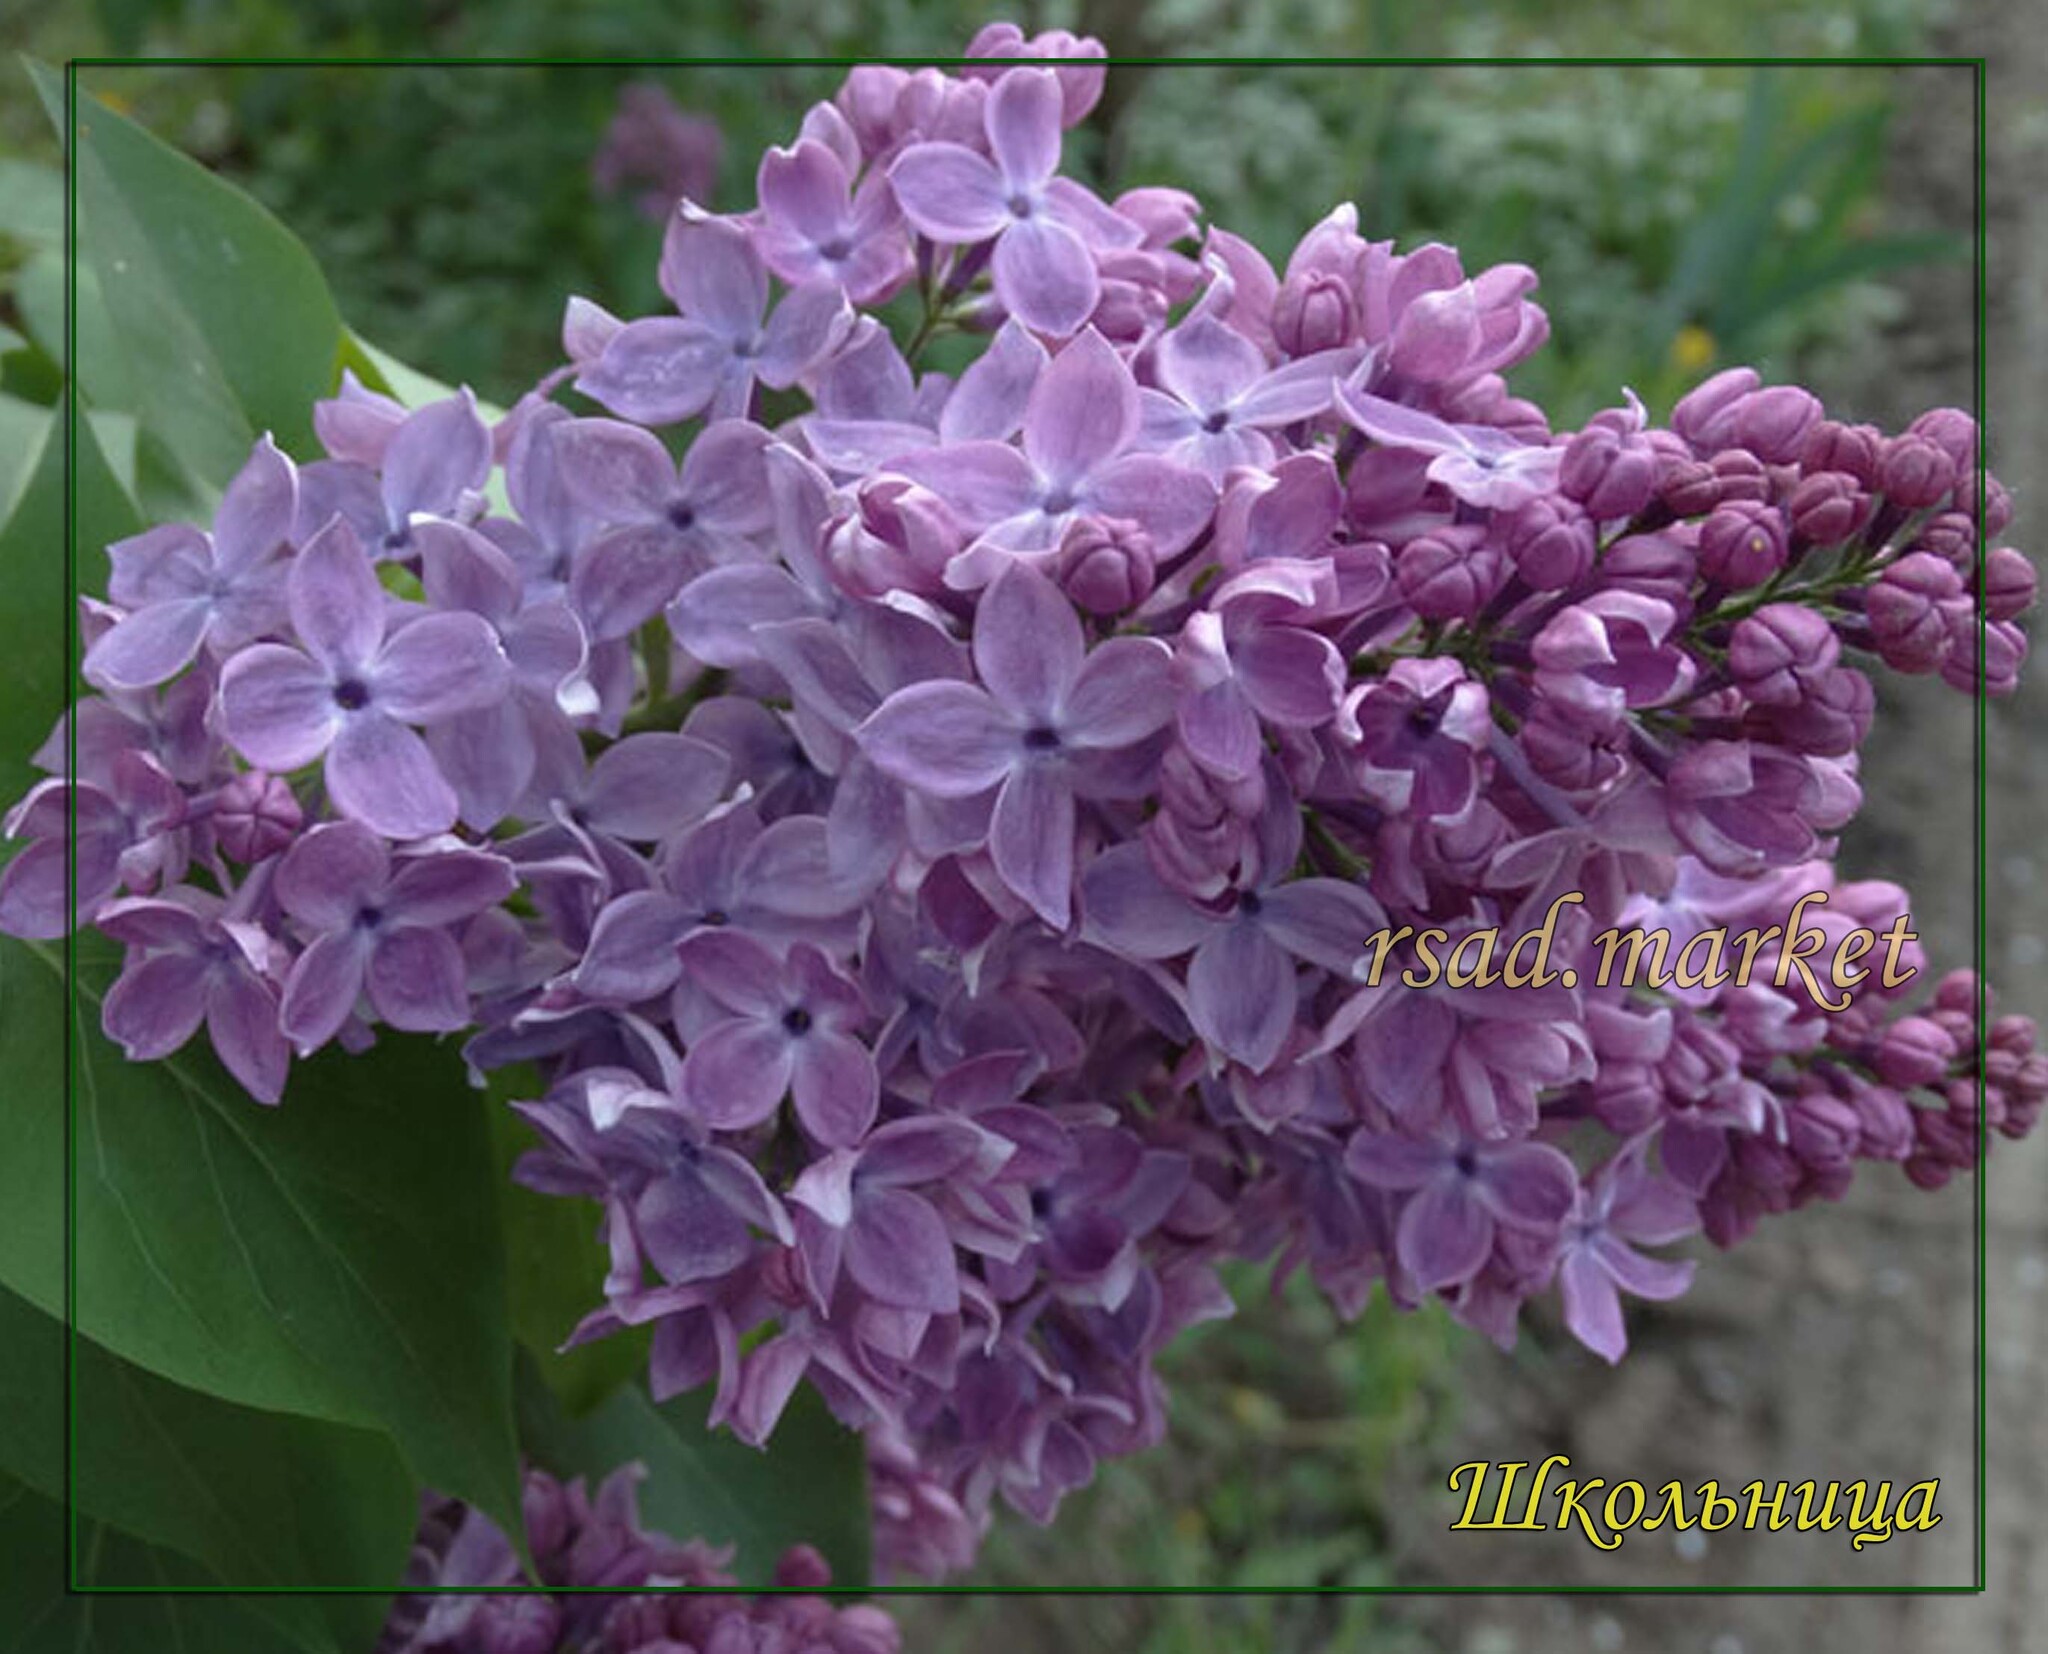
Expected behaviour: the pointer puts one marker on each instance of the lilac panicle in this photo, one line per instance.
(941, 841)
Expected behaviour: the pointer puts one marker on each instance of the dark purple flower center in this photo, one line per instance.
(399, 538)
(1249, 903)
(835, 249)
(1041, 738)
(1424, 719)
(369, 918)
(351, 694)
(682, 516)
(717, 916)
(1466, 1161)
(1021, 205)
(1057, 501)
(796, 1021)
(1217, 421)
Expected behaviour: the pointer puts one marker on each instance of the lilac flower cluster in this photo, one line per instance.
(592, 1549)
(924, 828)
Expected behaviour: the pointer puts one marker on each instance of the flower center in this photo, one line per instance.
(1217, 421)
(1041, 738)
(351, 694)
(796, 1021)
(1021, 205)
(1466, 1162)
(835, 249)
(682, 516)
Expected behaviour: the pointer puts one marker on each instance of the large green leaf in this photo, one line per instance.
(225, 323)
(808, 1487)
(39, 1616)
(335, 1256)
(256, 1499)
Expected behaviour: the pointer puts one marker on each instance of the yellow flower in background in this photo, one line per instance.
(1692, 347)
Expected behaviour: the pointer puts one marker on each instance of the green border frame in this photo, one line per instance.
(1978, 845)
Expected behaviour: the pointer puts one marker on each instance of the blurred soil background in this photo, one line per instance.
(1816, 222)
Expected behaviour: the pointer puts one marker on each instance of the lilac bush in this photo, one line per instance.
(923, 831)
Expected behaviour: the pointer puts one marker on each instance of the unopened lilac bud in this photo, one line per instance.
(1885, 1123)
(1484, 400)
(1552, 543)
(1742, 544)
(255, 815)
(802, 1568)
(1831, 717)
(1957, 991)
(1564, 751)
(1313, 311)
(1829, 508)
(2008, 583)
(1449, 573)
(1997, 512)
(1915, 473)
(1703, 414)
(1833, 446)
(1688, 487)
(2004, 650)
(1608, 472)
(1661, 565)
(1772, 424)
(1776, 653)
(1912, 608)
(1822, 1129)
(1913, 1052)
(1106, 564)
(544, 1503)
(1952, 431)
(1739, 475)
(1953, 538)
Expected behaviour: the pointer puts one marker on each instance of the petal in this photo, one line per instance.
(1386, 1161)
(981, 482)
(35, 892)
(257, 511)
(1084, 212)
(807, 324)
(1297, 390)
(1168, 501)
(1324, 921)
(487, 756)
(736, 1074)
(715, 617)
(1022, 119)
(277, 707)
(625, 577)
(1646, 1277)
(689, 1233)
(1127, 907)
(331, 874)
(649, 787)
(1592, 1308)
(659, 370)
(724, 478)
(169, 561)
(1241, 995)
(1031, 840)
(241, 1020)
(950, 740)
(1083, 412)
(805, 188)
(736, 972)
(415, 980)
(439, 665)
(632, 951)
(835, 1088)
(321, 990)
(708, 267)
(381, 774)
(988, 401)
(155, 1006)
(619, 473)
(1045, 276)
(950, 193)
(1220, 730)
(1531, 1186)
(460, 569)
(1444, 1235)
(151, 645)
(447, 885)
(1293, 677)
(1123, 693)
(1027, 644)
(433, 457)
(899, 1253)
(337, 606)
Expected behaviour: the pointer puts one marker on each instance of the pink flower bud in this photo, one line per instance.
(1702, 415)
(1772, 424)
(1832, 717)
(1106, 564)
(1552, 543)
(255, 815)
(1829, 508)
(1776, 654)
(1915, 473)
(2008, 583)
(1833, 446)
(1912, 608)
(1742, 544)
(1952, 431)
(1914, 1051)
(1448, 574)
(1609, 473)
(1312, 312)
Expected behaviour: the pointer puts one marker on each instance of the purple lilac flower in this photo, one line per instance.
(817, 227)
(1046, 229)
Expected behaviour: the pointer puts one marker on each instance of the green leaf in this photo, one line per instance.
(808, 1487)
(221, 315)
(259, 1499)
(39, 1616)
(336, 1256)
